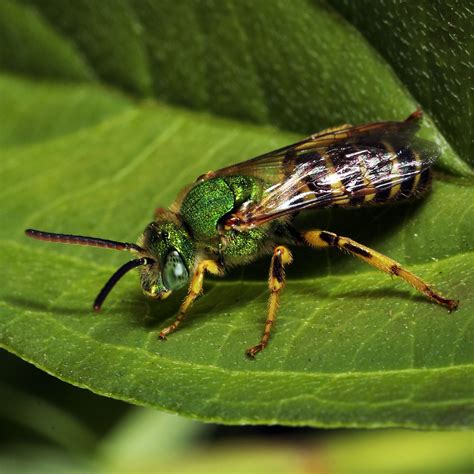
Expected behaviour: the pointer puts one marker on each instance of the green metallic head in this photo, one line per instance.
(170, 246)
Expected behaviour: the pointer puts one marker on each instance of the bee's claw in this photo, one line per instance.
(452, 305)
(253, 351)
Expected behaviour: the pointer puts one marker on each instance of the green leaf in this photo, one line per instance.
(296, 65)
(429, 45)
(351, 347)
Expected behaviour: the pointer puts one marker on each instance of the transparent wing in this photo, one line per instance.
(276, 165)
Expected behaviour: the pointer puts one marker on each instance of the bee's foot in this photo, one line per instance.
(452, 305)
(164, 333)
(253, 351)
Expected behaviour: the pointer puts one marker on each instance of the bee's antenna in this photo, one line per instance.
(116, 277)
(81, 240)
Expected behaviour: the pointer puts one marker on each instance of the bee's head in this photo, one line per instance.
(165, 254)
(170, 246)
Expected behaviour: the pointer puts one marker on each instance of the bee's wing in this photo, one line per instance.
(358, 175)
(339, 167)
(271, 166)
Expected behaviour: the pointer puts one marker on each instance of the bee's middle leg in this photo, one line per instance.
(276, 282)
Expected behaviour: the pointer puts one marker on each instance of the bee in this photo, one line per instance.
(242, 212)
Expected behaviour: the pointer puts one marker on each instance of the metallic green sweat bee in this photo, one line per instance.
(235, 215)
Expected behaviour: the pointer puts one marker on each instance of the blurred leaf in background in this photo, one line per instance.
(147, 441)
(88, 145)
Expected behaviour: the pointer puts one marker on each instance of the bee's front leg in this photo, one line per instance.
(276, 282)
(194, 290)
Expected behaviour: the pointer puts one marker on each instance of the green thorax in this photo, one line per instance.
(209, 201)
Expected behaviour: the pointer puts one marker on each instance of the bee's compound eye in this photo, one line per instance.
(175, 274)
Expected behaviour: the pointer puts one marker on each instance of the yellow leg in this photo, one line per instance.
(321, 238)
(194, 290)
(276, 282)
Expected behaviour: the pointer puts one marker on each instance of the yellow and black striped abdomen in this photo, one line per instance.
(360, 174)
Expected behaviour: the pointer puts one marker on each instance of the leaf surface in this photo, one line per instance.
(351, 347)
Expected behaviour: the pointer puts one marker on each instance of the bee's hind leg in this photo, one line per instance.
(323, 239)
(276, 282)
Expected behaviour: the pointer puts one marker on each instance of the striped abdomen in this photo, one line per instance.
(358, 174)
